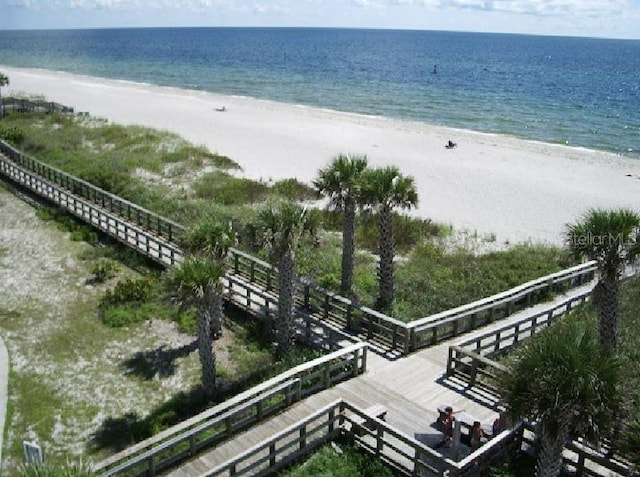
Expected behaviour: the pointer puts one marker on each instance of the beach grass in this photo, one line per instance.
(185, 183)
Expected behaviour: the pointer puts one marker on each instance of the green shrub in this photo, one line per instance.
(11, 134)
(350, 462)
(293, 189)
(70, 469)
(128, 291)
(226, 189)
(103, 270)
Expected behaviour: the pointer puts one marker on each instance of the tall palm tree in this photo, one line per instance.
(340, 182)
(612, 238)
(4, 81)
(212, 241)
(195, 282)
(283, 225)
(386, 189)
(564, 380)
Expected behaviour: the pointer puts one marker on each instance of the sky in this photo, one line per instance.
(594, 18)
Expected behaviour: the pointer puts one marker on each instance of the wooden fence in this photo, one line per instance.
(470, 360)
(150, 457)
(135, 237)
(398, 450)
(141, 217)
(156, 236)
(581, 458)
(24, 105)
(441, 326)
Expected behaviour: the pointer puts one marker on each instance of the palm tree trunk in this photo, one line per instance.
(387, 252)
(217, 314)
(606, 299)
(205, 348)
(549, 462)
(348, 246)
(284, 326)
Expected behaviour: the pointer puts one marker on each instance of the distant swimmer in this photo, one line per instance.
(435, 69)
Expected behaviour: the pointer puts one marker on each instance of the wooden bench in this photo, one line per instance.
(359, 422)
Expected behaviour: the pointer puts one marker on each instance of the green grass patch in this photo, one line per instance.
(340, 461)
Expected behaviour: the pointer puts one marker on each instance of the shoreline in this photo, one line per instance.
(510, 188)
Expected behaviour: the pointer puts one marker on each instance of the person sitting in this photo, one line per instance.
(450, 144)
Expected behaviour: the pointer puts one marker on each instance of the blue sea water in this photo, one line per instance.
(583, 92)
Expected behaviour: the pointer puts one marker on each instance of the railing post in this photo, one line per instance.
(450, 363)
(332, 417)
(327, 298)
(192, 445)
(379, 439)
(364, 359)
(327, 375)
(580, 465)
(152, 466)
(272, 454)
(303, 436)
(474, 373)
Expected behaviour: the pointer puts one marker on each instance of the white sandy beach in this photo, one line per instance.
(517, 190)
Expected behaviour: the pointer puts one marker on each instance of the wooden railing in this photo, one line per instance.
(150, 457)
(457, 321)
(24, 105)
(284, 447)
(137, 238)
(150, 222)
(402, 452)
(580, 458)
(156, 236)
(504, 338)
(470, 359)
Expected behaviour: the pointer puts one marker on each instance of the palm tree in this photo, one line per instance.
(212, 241)
(284, 224)
(196, 282)
(384, 190)
(4, 81)
(568, 384)
(339, 182)
(612, 238)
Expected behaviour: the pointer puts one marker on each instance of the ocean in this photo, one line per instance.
(584, 92)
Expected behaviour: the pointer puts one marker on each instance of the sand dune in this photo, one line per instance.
(517, 190)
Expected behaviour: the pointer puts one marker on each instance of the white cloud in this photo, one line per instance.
(538, 7)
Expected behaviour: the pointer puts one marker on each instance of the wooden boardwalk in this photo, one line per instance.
(411, 388)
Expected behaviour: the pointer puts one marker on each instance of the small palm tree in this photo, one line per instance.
(212, 241)
(283, 225)
(196, 282)
(340, 182)
(384, 190)
(4, 81)
(612, 238)
(567, 383)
